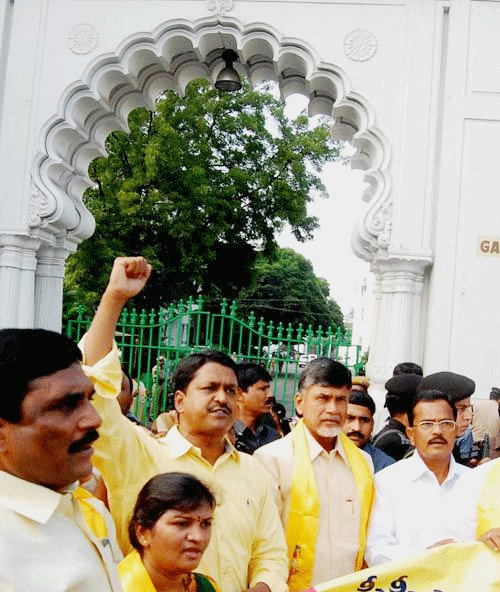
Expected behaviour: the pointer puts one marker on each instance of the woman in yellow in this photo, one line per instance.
(169, 530)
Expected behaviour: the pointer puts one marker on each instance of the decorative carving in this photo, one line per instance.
(220, 6)
(360, 45)
(381, 224)
(38, 208)
(83, 39)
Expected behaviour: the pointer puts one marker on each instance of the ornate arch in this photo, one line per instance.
(145, 64)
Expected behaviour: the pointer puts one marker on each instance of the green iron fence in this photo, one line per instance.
(152, 343)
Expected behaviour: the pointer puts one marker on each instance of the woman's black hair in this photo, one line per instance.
(168, 491)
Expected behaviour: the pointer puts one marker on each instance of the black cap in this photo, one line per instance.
(403, 386)
(456, 386)
(495, 393)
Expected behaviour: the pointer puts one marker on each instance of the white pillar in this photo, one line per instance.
(49, 287)
(17, 280)
(398, 322)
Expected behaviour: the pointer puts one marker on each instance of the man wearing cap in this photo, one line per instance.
(460, 389)
(392, 439)
(411, 511)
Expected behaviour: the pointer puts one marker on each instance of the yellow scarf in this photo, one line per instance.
(92, 517)
(133, 574)
(135, 578)
(488, 508)
(303, 520)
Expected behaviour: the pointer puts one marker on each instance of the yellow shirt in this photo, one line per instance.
(247, 545)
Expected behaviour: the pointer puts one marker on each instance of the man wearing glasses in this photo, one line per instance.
(411, 512)
(460, 389)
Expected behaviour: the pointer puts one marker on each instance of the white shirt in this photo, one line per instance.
(411, 511)
(46, 546)
(339, 505)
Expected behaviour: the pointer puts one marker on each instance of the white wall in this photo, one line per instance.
(464, 310)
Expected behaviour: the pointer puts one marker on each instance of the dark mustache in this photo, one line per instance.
(217, 407)
(90, 436)
(438, 441)
(358, 434)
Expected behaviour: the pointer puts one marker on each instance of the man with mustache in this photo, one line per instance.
(358, 427)
(254, 405)
(411, 511)
(53, 534)
(323, 483)
(247, 548)
(460, 389)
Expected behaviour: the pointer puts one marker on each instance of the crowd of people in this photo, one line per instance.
(227, 495)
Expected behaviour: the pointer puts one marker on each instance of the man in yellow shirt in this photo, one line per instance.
(323, 483)
(247, 550)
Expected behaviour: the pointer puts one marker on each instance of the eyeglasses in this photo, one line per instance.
(446, 425)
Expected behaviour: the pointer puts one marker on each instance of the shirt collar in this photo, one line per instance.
(179, 445)
(32, 501)
(418, 468)
(315, 448)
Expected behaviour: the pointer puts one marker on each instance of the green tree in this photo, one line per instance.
(200, 187)
(287, 290)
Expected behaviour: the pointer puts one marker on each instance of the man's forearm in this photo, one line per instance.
(99, 338)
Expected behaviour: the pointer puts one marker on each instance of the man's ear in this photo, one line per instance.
(298, 401)
(240, 396)
(179, 397)
(410, 431)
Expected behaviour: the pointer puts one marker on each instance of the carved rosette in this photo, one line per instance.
(39, 208)
(360, 45)
(83, 39)
(220, 6)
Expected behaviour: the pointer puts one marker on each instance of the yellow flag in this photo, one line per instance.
(460, 567)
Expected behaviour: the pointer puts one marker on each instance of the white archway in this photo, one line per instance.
(422, 72)
(144, 65)
(169, 57)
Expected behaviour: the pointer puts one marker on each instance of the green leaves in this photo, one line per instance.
(202, 185)
(287, 290)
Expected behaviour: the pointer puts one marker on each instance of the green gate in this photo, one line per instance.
(152, 343)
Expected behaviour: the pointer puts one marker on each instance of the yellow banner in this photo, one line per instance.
(463, 567)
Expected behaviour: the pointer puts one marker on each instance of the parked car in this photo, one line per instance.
(304, 359)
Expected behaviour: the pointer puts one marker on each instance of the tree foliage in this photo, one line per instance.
(200, 187)
(286, 290)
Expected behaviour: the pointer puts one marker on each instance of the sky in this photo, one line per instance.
(330, 250)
